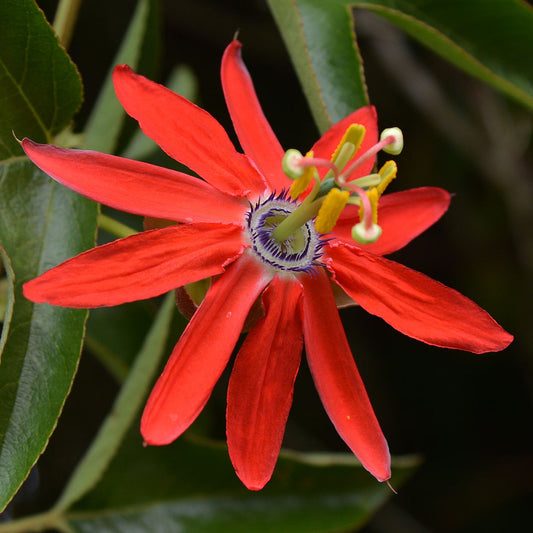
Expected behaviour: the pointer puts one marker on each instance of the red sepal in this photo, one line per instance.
(255, 134)
(261, 384)
(337, 379)
(202, 352)
(141, 266)
(136, 187)
(401, 215)
(413, 303)
(187, 133)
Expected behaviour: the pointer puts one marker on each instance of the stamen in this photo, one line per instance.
(373, 198)
(330, 195)
(294, 163)
(331, 209)
(354, 134)
(387, 173)
(350, 143)
(366, 231)
(299, 185)
(393, 138)
(372, 180)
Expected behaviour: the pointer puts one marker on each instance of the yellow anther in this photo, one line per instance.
(373, 196)
(350, 143)
(299, 185)
(388, 173)
(331, 209)
(353, 135)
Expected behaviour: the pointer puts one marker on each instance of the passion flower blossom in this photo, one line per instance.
(241, 227)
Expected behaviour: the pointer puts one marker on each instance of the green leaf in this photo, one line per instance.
(41, 224)
(190, 486)
(107, 117)
(321, 42)
(40, 87)
(490, 40)
(127, 404)
(7, 298)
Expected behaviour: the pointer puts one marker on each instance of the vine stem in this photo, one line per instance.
(36, 523)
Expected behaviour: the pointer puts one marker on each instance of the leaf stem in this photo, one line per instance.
(65, 20)
(114, 227)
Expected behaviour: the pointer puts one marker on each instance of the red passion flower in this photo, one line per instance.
(291, 232)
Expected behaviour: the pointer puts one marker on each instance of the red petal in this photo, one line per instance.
(187, 133)
(327, 144)
(141, 266)
(202, 352)
(135, 187)
(414, 304)
(337, 379)
(261, 384)
(401, 215)
(255, 134)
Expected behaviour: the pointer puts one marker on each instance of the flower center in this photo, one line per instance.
(298, 252)
(288, 235)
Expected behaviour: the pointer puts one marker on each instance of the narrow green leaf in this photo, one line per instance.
(41, 224)
(40, 87)
(321, 42)
(7, 297)
(126, 406)
(107, 117)
(190, 486)
(491, 40)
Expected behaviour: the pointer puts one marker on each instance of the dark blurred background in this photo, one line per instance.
(468, 415)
